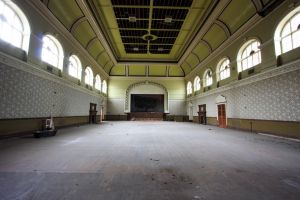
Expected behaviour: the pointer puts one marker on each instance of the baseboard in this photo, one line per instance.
(24, 126)
(288, 129)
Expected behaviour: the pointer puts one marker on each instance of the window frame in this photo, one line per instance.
(197, 83)
(104, 86)
(25, 32)
(208, 81)
(98, 82)
(280, 28)
(46, 50)
(189, 88)
(241, 60)
(223, 71)
(89, 76)
(78, 67)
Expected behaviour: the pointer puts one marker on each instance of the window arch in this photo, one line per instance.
(249, 55)
(14, 26)
(197, 85)
(223, 69)
(89, 77)
(287, 33)
(208, 80)
(189, 89)
(104, 86)
(75, 68)
(98, 82)
(52, 51)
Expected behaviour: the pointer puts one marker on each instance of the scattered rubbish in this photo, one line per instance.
(209, 129)
(154, 160)
(196, 197)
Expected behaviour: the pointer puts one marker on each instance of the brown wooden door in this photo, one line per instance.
(222, 115)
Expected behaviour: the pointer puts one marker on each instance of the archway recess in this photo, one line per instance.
(146, 87)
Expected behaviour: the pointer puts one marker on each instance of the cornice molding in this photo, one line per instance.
(276, 71)
(37, 71)
(147, 78)
(211, 20)
(83, 6)
(43, 11)
(256, 19)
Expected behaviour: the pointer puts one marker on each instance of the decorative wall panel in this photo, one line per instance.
(25, 95)
(276, 98)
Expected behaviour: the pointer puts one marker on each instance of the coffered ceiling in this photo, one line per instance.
(153, 37)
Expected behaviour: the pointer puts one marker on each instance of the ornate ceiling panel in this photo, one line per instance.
(150, 29)
(154, 37)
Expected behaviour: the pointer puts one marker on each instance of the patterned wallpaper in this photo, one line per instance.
(24, 95)
(276, 98)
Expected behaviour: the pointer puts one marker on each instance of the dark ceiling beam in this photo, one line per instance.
(76, 23)
(269, 7)
(207, 45)
(106, 63)
(258, 5)
(184, 73)
(110, 67)
(90, 42)
(189, 65)
(224, 27)
(199, 61)
(98, 56)
(46, 2)
(113, 65)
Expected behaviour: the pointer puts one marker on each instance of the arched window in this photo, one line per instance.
(249, 55)
(223, 69)
(14, 26)
(287, 34)
(104, 87)
(189, 89)
(75, 68)
(89, 77)
(208, 80)
(52, 52)
(98, 82)
(197, 85)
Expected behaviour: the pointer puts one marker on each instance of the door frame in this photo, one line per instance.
(221, 99)
(225, 106)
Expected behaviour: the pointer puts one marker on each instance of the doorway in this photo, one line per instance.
(222, 115)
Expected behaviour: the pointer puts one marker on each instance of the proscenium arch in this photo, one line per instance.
(132, 86)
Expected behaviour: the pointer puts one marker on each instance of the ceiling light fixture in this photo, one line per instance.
(132, 19)
(168, 19)
(135, 49)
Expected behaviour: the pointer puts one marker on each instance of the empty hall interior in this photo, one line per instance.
(149, 99)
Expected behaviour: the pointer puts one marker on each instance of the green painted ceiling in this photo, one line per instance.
(112, 18)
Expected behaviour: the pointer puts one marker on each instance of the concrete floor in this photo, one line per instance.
(151, 161)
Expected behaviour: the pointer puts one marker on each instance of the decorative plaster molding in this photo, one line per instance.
(127, 97)
(90, 18)
(234, 37)
(290, 67)
(35, 70)
(149, 78)
(43, 11)
(211, 20)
